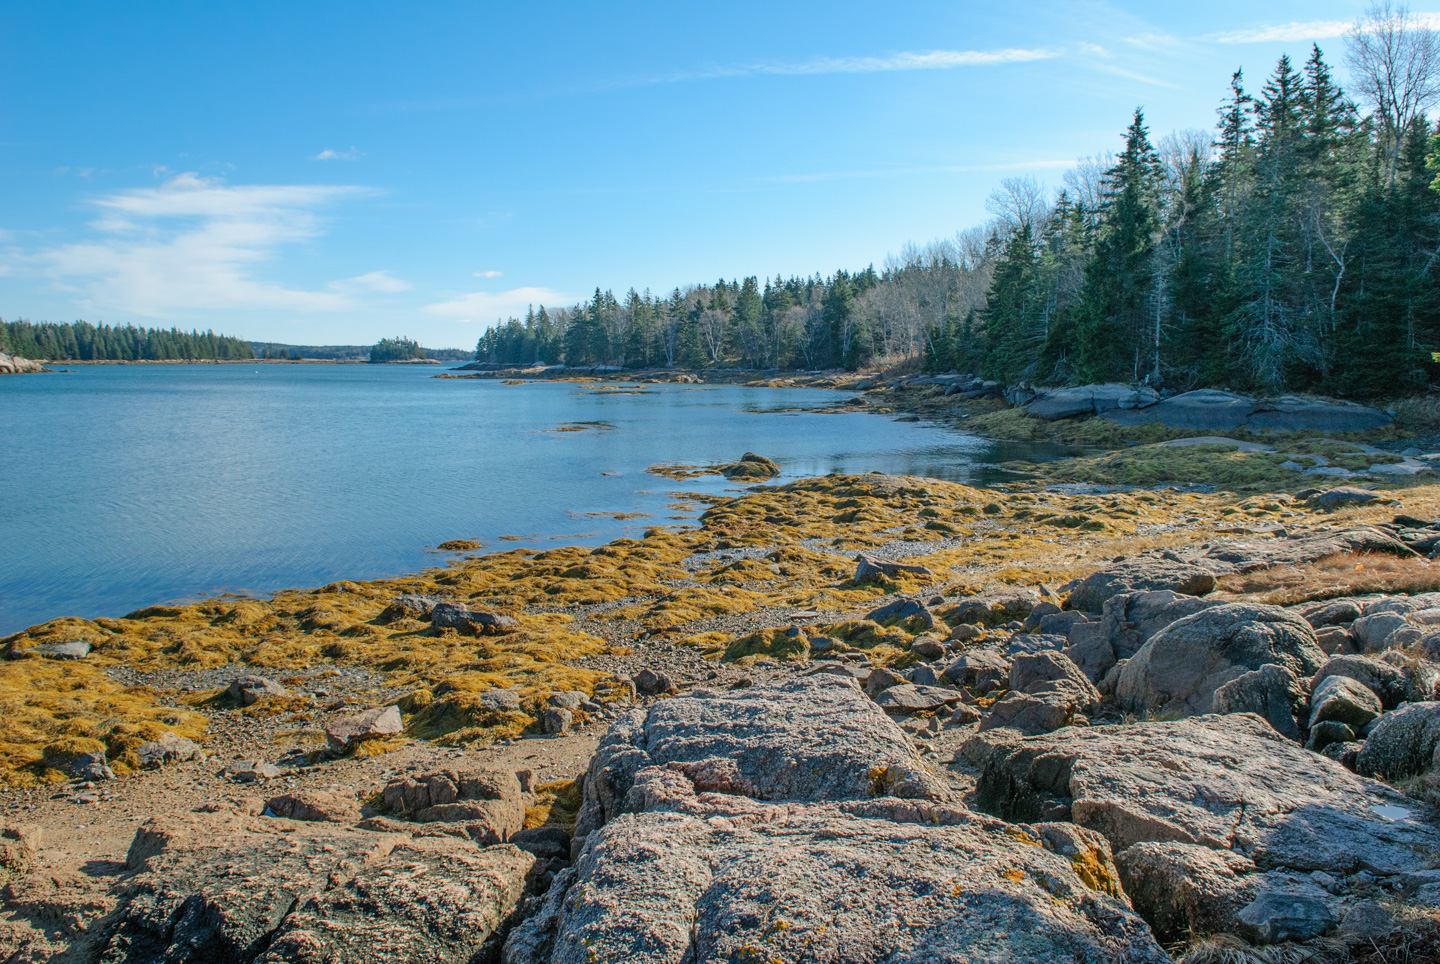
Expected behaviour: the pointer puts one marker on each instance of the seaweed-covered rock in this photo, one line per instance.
(1181, 667)
(751, 466)
(472, 622)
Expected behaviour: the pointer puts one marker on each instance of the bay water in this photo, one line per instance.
(123, 486)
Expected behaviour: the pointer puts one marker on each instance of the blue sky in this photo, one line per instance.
(332, 172)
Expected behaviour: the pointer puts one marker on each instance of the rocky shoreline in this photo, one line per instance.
(15, 365)
(851, 718)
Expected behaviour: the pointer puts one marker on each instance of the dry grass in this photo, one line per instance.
(557, 804)
(1332, 578)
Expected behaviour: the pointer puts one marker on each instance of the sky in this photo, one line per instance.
(336, 172)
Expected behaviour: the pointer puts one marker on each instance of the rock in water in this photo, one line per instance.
(344, 735)
(226, 887)
(751, 466)
(1181, 667)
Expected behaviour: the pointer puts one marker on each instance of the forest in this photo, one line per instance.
(82, 341)
(1291, 248)
(396, 349)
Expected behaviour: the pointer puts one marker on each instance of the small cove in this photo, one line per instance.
(127, 486)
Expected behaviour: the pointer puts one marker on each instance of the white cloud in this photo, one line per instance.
(487, 307)
(333, 155)
(381, 281)
(193, 243)
(1305, 30)
(492, 273)
(909, 60)
(1286, 32)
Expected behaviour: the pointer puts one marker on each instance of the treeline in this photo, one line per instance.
(82, 341)
(1293, 248)
(1295, 251)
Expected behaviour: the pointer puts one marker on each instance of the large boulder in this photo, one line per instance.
(1144, 574)
(1131, 618)
(1085, 400)
(1271, 692)
(1294, 413)
(1181, 667)
(210, 887)
(1343, 700)
(813, 738)
(1229, 783)
(345, 734)
(706, 876)
(1206, 410)
(1249, 555)
(17, 365)
(1403, 743)
(1408, 682)
(250, 688)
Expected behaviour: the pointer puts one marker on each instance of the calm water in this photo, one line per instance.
(126, 486)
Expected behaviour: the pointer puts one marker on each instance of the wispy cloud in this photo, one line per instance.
(487, 307)
(381, 281)
(492, 273)
(192, 243)
(909, 60)
(1303, 30)
(329, 154)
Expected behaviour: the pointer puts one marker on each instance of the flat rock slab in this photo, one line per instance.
(1225, 782)
(813, 738)
(1146, 574)
(828, 882)
(1248, 556)
(229, 887)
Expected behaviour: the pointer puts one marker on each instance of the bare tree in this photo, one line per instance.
(1086, 180)
(1018, 202)
(1394, 61)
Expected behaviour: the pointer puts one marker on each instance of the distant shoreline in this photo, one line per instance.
(237, 361)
